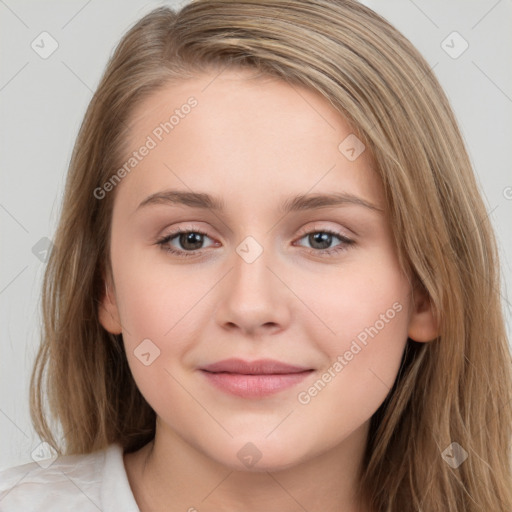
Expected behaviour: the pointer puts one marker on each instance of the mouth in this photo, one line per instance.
(254, 379)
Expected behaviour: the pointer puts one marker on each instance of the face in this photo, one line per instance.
(255, 275)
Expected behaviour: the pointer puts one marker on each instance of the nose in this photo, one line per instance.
(253, 297)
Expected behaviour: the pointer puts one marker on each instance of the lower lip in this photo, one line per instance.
(254, 386)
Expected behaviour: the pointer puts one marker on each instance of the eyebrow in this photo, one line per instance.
(296, 203)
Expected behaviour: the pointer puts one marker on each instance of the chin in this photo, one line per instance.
(259, 457)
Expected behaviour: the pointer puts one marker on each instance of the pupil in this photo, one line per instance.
(322, 238)
(191, 238)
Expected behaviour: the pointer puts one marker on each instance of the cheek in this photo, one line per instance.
(369, 351)
(362, 366)
(155, 299)
(158, 333)
(368, 311)
(162, 312)
(371, 321)
(366, 299)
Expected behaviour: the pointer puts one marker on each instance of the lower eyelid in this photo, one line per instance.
(343, 245)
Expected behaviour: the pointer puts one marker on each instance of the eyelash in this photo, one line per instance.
(162, 242)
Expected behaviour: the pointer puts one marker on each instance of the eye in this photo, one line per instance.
(191, 241)
(321, 239)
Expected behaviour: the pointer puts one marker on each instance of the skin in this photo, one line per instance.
(253, 142)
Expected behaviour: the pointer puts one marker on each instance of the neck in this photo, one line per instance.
(170, 474)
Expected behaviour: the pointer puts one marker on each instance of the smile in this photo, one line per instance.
(256, 379)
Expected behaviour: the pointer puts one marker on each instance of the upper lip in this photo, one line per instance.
(258, 367)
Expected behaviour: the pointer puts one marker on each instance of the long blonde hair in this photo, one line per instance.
(457, 388)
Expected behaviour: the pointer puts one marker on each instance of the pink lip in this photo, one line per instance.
(254, 379)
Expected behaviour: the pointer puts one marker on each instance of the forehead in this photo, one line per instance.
(246, 135)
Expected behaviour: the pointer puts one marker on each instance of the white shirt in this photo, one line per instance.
(96, 482)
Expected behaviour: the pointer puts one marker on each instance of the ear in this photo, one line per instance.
(423, 323)
(108, 312)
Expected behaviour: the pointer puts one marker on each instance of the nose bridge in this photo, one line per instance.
(252, 294)
(251, 261)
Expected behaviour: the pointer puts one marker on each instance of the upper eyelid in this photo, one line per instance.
(302, 232)
(338, 230)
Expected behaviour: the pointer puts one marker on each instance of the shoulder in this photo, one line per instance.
(82, 483)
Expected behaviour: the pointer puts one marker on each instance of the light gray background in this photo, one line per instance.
(42, 102)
